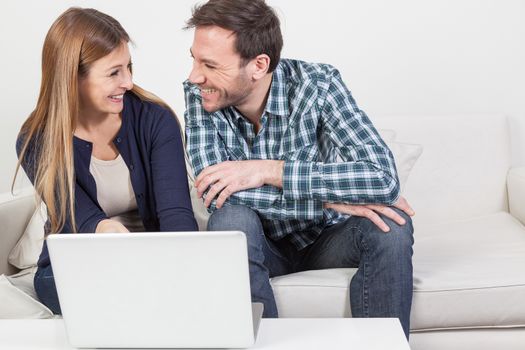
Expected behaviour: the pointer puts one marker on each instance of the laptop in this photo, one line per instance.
(155, 290)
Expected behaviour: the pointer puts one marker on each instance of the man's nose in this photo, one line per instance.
(196, 76)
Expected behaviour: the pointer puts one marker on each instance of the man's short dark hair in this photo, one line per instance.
(255, 24)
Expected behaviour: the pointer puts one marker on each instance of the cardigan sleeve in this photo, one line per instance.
(170, 180)
(87, 213)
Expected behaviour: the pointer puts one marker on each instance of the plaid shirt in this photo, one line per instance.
(331, 150)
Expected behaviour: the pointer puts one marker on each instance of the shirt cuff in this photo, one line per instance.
(302, 180)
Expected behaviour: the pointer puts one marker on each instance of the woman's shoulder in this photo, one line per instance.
(148, 114)
(23, 138)
(27, 151)
(143, 108)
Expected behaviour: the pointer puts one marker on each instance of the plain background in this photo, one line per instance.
(397, 57)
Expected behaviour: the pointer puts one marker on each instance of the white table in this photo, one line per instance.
(275, 334)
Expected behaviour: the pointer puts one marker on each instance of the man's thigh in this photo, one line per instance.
(342, 245)
(336, 247)
(277, 258)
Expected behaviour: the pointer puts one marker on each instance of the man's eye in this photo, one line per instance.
(209, 66)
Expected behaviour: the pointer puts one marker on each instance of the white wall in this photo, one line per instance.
(397, 57)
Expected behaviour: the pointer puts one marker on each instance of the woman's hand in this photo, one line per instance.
(110, 226)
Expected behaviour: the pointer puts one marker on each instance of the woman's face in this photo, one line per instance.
(102, 89)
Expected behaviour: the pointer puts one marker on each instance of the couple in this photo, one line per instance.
(280, 149)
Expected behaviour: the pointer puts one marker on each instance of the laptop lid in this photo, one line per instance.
(154, 290)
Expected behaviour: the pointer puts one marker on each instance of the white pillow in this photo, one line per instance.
(28, 248)
(19, 298)
(405, 156)
(387, 134)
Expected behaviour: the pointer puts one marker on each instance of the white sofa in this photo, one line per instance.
(469, 260)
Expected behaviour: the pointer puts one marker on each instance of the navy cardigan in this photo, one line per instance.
(149, 141)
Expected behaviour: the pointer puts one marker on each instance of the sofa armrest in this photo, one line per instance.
(516, 191)
(15, 213)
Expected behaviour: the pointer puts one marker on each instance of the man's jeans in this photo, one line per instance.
(382, 286)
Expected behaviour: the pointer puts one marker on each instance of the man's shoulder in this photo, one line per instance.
(298, 71)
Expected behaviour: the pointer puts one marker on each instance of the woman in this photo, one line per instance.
(103, 154)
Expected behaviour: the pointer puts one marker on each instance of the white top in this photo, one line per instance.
(115, 193)
(275, 334)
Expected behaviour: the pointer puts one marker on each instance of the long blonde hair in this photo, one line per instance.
(76, 39)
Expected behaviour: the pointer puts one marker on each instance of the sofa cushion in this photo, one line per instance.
(467, 274)
(470, 274)
(320, 293)
(19, 298)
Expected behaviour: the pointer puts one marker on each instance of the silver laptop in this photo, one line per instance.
(155, 290)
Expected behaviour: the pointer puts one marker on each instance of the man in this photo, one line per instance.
(282, 152)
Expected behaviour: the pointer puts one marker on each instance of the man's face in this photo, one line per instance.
(217, 69)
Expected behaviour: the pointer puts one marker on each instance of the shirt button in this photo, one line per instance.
(119, 139)
(131, 167)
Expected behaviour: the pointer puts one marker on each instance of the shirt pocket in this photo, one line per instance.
(300, 140)
(236, 153)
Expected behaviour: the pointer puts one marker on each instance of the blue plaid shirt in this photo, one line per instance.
(332, 152)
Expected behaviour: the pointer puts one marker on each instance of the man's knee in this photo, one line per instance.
(237, 218)
(399, 238)
(407, 229)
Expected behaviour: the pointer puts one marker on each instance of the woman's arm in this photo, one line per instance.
(170, 180)
(87, 213)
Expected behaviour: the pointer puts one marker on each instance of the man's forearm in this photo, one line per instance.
(256, 184)
(346, 182)
(274, 170)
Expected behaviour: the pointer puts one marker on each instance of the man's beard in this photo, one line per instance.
(236, 96)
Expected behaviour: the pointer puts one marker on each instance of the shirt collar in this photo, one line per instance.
(277, 103)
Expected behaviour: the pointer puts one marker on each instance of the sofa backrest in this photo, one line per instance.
(462, 171)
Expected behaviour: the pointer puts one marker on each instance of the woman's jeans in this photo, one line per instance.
(382, 285)
(46, 290)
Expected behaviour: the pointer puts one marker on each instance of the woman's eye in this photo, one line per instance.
(113, 73)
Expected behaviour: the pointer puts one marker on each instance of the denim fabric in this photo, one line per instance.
(382, 286)
(46, 289)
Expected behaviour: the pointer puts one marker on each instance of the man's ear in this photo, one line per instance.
(261, 66)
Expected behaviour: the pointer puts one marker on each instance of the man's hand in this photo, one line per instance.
(371, 211)
(110, 226)
(228, 177)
